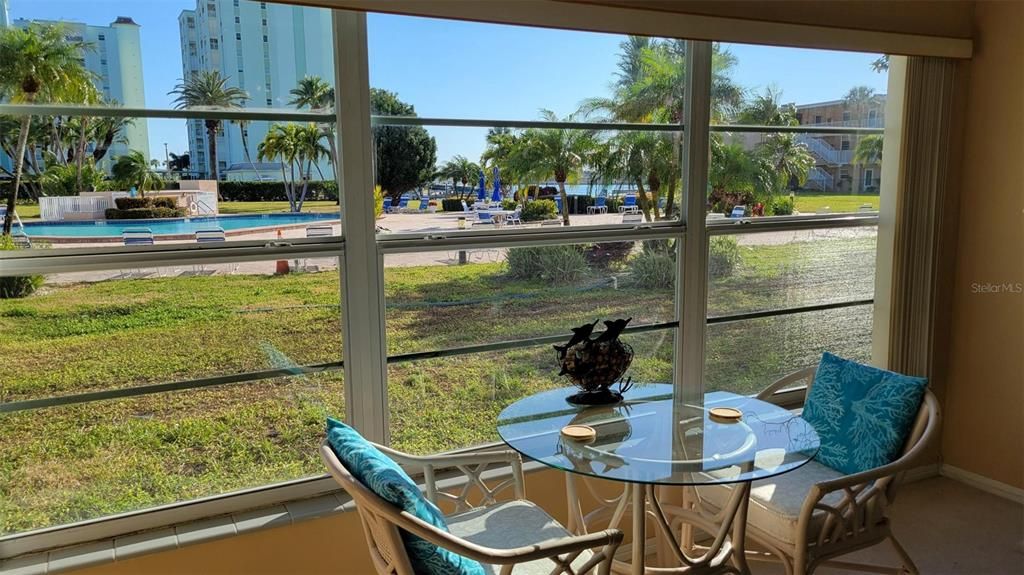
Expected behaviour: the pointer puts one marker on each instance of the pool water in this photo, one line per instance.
(166, 227)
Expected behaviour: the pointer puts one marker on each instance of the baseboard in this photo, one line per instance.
(983, 483)
(922, 472)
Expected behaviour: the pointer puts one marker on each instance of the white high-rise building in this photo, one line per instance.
(264, 49)
(115, 58)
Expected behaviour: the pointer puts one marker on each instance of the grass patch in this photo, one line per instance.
(78, 462)
(322, 206)
(811, 202)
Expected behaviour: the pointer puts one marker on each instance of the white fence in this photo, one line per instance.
(57, 208)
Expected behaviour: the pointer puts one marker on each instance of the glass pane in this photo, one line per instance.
(787, 269)
(453, 402)
(80, 462)
(601, 76)
(515, 178)
(434, 301)
(91, 331)
(782, 173)
(747, 356)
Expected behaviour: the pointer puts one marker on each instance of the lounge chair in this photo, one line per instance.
(387, 205)
(211, 235)
(319, 231)
(629, 205)
(466, 208)
(424, 204)
(21, 241)
(402, 203)
(558, 204)
(514, 218)
(484, 217)
(137, 237)
(412, 206)
(738, 212)
(600, 206)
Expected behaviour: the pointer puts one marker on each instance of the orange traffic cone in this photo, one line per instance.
(282, 265)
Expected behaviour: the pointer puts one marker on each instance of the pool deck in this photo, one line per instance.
(396, 223)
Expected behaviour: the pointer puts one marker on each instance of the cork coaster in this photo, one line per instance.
(579, 432)
(727, 414)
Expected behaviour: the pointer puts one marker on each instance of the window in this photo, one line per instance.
(237, 20)
(102, 37)
(185, 369)
(846, 115)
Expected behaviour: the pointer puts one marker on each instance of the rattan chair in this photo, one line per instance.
(808, 517)
(508, 537)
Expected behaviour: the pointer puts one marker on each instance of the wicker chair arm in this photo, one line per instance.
(786, 381)
(561, 546)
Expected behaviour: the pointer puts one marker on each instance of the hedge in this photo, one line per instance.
(274, 191)
(144, 213)
(140, 203)
(454, 204)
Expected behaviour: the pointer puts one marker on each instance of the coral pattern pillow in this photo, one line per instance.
(380, 474)
(862, 414)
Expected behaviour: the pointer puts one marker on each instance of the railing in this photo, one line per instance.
(820, 179)
(876, 122)
(57, 208)
(824, 151)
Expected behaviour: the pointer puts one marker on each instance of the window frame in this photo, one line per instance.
(361, 252)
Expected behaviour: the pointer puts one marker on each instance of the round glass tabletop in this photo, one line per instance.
(651, 438)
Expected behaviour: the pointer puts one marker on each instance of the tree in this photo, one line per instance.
(39, 62)
(404, 155)
(134, 170)
(299, 147)
(561, 153)
(208, 89)
(869, 150)
(881, 64)
(784, 162)
(315, 93)
(501, 143)
(179, 163)
(459, 169)
(859, 99)
(767, 109)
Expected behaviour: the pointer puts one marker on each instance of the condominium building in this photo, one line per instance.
(263, 48)
(115, 58)
(835, 167)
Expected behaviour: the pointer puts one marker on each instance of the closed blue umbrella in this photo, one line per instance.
(481, 193)
(496, 195)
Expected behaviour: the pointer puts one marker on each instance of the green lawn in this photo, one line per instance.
(70, 463)
(809, 202)
(270, 207)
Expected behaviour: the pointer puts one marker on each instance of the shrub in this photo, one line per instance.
(723, 256)
(144, 213)
(653, 269)
(509, 204)
(16, 286)
(539, 210)
(138, 203)
(607, 254)
(558, 264)
(454, 204)
(274, 191)
(378, 202)
(781, 206)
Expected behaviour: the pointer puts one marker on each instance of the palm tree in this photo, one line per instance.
(39, 62)
(786, 162)
(767, 109)
(558, 152)
(279, 144)
(459, 169)
(208, 89)
(869, 150)
(315, 93)
(309, 151)
(858, 100)
(133, 170)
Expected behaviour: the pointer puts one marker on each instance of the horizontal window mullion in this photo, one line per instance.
(798, 129)
(728, 226)
(31, 262)
(252, 114)
(495, 123)
(515, 344)
(787, 311)
(126, 392)
(529, 237)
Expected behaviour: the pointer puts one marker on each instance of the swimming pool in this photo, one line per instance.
(171, 227)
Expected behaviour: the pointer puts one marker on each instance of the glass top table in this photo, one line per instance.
(650, 438)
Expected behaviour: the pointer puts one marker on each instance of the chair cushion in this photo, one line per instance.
(510, 525)
(861, 413)
(380, 474)
(775, 502)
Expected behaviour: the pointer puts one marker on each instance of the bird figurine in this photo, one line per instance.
(596, 364)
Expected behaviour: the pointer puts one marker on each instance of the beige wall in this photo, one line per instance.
(984, 403)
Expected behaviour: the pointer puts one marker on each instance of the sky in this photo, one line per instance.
(467, 70)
